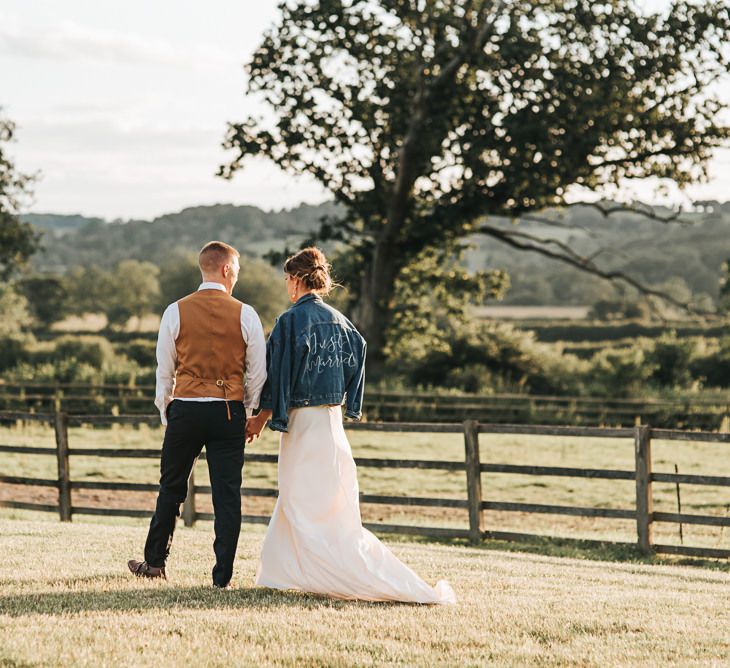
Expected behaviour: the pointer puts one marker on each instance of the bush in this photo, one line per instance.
(620, 373)
(48, 298)
(670, 359)
(14, 315)
(61, 371)
(95, 351)
(13, 351)
(713, 369)
(71, 370)
(495, 358)
(141, 351)
(619, 309)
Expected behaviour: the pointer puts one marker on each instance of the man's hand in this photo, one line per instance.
(256, 424)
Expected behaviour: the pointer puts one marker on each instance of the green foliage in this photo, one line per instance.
(725, 287)
(134, 291)
(490, 358)
(259, 285)
(72, 359)
(95, 351)
(179, 276)
(651, 251)
(13, 351)
(14, 313)
(620, 309)
(61, 371)
(89, 289)
(48, 298)
(423, 122)
(713, 368)
(262, 286)
(614, 333)
(671, 358)
(431, 304)
(18, 240)
(251, 230)
(130, 289)
(140, 351)
(620, 373)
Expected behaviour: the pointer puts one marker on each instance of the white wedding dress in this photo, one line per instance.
(315, 541)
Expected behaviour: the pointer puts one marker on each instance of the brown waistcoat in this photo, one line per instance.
(211, 352)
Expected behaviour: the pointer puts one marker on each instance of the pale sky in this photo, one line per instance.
(122, 106)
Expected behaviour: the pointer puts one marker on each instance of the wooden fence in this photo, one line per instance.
(473, 504)
(710, 413)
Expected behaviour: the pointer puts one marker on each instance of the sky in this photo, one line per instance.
(122, 107)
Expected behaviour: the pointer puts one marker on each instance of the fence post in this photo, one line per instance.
(644, 499)
(64, 475)
(188, 511)
(473, 480)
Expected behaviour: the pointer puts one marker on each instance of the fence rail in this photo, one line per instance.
(642, 514)
(707, 413)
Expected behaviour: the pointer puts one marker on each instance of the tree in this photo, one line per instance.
(433, 299)
(262, 286)
(90, 289)
(135, 291)
(14, 315)
(259, 284)
(422, 116)
(179, 276)
(48, 298)
(131, 288)
(725, 287)
(18, 240)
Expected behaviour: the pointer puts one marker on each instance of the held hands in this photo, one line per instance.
(255, 425)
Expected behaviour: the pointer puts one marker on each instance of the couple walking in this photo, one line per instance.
(312, 364)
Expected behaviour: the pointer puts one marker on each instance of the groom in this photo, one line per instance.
(206, 342)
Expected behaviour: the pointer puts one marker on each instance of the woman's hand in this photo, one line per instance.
(256, 424)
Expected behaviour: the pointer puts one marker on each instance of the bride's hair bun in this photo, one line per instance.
(311, 266)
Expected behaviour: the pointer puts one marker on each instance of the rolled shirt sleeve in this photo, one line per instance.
(278, 383)
(253, 335)
(166, 359)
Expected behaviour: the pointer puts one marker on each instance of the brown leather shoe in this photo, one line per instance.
(143, 570)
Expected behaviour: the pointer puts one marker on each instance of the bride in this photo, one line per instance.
(315, 541)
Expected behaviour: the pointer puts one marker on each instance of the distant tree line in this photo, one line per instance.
(134, 289)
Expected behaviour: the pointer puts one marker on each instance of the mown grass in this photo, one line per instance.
(67, 600)
(510, 449)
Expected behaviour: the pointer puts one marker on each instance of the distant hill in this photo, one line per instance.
(74, 240)
(56, 225)
(688, 255)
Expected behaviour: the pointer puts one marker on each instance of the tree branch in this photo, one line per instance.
(406, 159)
(644, 210)
(527, 242)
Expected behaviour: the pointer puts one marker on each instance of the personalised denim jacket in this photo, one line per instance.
(314, 357)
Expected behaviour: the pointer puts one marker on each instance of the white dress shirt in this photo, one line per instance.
(253, 336)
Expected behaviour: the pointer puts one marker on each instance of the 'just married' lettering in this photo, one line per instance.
(328, 352)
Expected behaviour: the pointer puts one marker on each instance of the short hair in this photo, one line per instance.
(214, 255)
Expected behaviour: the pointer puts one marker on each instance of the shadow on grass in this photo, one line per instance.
(575, 548)
(164, 596)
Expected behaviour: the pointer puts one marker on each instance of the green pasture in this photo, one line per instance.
(695, 458)
(67, 600)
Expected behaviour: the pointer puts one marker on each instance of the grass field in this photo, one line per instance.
(67, 600)
(508, 449)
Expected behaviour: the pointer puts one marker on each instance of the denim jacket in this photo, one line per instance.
(314, 356)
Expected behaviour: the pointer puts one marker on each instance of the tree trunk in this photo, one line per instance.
(376, 292)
